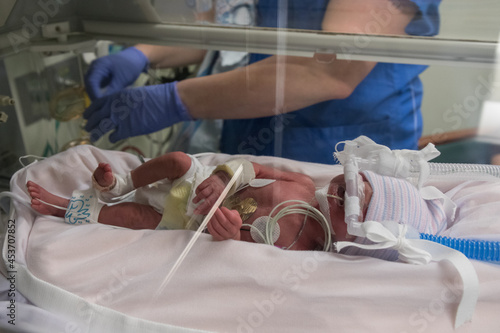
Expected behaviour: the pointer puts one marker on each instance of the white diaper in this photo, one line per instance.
(178, 204)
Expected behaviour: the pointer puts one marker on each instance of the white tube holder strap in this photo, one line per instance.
(364, 154)
(419, 251)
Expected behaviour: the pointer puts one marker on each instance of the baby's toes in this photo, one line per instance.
(34, 192)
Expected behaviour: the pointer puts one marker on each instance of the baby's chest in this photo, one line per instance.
(268, 197)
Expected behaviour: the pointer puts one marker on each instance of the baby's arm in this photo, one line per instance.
(169, 166)
(210, 189)
(225, 224)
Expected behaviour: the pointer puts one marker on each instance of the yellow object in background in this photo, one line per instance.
(69, 104)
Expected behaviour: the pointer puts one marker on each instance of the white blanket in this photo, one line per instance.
(96, 278)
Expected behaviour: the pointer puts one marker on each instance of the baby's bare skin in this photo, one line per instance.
(226, 224)
(103, 174)
(288, 186)
(39, 194)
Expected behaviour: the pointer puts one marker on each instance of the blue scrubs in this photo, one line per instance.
(385, 106)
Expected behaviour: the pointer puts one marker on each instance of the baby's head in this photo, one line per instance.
(386, 199)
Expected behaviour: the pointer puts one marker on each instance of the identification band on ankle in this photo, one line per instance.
(83, 207)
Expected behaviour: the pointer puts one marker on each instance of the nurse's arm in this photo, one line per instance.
(250, 92)
(175, 56)
(171, 56)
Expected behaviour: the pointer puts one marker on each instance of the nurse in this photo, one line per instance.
(325, 100)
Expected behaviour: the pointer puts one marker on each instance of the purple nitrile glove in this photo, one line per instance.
(110, 74)
(135, 111)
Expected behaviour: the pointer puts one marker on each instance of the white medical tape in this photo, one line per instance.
(350, 172)
(122, 185)
(467, 273)
(352, 206)
(198, 232)
(261, 182)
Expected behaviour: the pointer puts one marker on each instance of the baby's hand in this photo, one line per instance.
(225, 224)
(210, 190)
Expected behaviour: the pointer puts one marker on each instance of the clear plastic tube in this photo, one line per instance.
(465, 171)
(472, 249)
(351, 200)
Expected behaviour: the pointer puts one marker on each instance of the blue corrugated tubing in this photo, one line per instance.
(473, 249)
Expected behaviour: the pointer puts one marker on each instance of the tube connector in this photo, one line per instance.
(3, 117)
(6, 100)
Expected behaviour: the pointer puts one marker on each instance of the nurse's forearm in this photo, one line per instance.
(171, 56)
(252, 92)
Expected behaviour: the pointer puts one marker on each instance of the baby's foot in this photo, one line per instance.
(104, 175)
(39, 194)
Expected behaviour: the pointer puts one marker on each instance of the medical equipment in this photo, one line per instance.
(269, 233)
(69, 104)
(223, 281)
(473, 249)
(201, 228)
(354, 285)
(5, 100)
(364, 154)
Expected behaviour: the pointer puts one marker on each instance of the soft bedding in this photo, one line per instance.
(96, 278)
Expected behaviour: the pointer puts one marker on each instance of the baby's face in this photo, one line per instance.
(337, 209)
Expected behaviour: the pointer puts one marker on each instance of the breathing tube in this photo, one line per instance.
(464, 171)
(473, 249)
(412, 247)
(410, 165)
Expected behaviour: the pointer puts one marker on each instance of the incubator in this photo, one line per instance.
(46, 48)
(430, 81)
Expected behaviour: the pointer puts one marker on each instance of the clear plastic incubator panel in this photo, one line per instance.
(292, 79)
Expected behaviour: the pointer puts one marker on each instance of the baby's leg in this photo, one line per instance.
(39, 194)
(128, 215)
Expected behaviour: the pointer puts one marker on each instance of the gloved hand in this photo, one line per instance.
(135, 111)
(114, 72)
